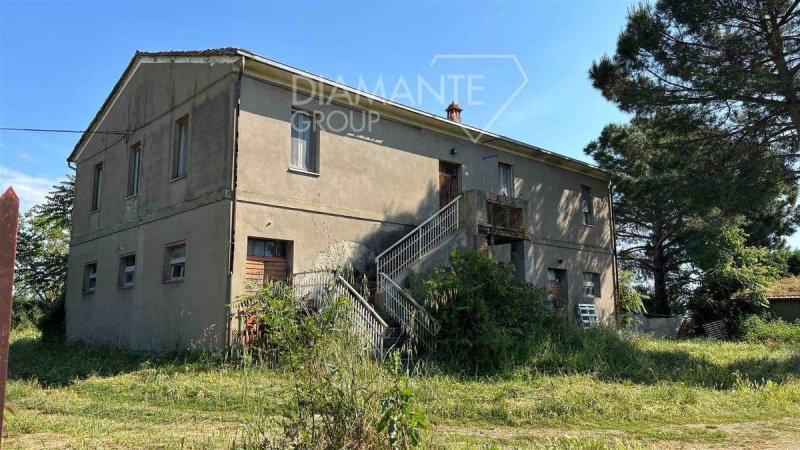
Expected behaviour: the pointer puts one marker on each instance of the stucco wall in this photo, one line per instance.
(153, 100)
(149, 316)
(153, 314)
(786, 309)
(389, 176)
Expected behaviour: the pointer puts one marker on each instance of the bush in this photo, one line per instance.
(494, 323)
(734, 278)
(278, 325)
(488, 316)
(47, 317)
(342, 398)
(25, 312)
(52, 321)
(763, 329)
(631, 300)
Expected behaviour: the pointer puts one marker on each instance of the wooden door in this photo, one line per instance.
(448, 183)
(261, 270)
(555, 283)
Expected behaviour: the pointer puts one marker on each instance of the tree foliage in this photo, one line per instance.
(631, 299)
(668, 177)
(713, 85)
(735, 276)
(43, 246)
(732, 64)
(788, 262)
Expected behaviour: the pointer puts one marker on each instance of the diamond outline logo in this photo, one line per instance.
(505, 105)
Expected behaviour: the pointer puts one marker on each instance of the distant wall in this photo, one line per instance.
(786, 309)
(667, 327)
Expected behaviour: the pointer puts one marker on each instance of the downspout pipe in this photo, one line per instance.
(232, 223)
(617, 302)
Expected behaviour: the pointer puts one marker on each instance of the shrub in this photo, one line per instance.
(494, 323)
(342, 398)
(25, 312)
(278, 324)
(762, 329)
(488, 316)
(631, 301)
(734, 277)
(52, 321)
(49, 318)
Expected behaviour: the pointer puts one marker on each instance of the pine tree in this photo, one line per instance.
(671, 174)
(732, 63)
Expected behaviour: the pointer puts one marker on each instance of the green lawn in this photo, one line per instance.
(697, 393)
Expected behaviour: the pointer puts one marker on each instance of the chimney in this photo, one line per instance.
(454, 112)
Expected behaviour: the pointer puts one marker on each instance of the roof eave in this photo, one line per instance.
(485, 137)
(412, 114)
(74, 154)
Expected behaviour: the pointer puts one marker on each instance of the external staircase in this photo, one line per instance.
(415, 321)
(399, 322)
(394, 319)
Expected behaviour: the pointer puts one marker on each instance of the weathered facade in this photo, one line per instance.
(154, 267)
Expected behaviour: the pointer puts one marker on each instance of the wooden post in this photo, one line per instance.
(9, 218)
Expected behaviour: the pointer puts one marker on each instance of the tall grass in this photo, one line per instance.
(93, 397)
(760, 329)
(341, 397)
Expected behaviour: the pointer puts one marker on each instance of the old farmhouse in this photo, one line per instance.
(206, 173)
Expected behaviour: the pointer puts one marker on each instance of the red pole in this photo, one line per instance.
(9, 218)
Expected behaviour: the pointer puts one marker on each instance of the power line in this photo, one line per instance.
(45, 130)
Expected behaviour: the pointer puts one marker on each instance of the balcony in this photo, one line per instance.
(498, 218)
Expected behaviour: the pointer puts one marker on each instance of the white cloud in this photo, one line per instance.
(31, 190)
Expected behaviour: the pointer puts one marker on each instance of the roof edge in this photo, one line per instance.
(224, 51)
(549, 156)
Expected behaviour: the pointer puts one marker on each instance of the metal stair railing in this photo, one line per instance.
(322, 287)
(405, 252)
(420, 326)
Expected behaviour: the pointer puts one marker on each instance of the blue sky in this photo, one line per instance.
(58, 62)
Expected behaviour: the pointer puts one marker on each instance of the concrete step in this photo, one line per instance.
(395, 339)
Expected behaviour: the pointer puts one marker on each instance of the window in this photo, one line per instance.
(181, 148)
(263, 248)
(134, 163)
(591, 284)
(304, 154)
(176, 263)
(586, 205)
(506, 180)
(97, 186)
(89, 277)
(557, 286)
(127, 271)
